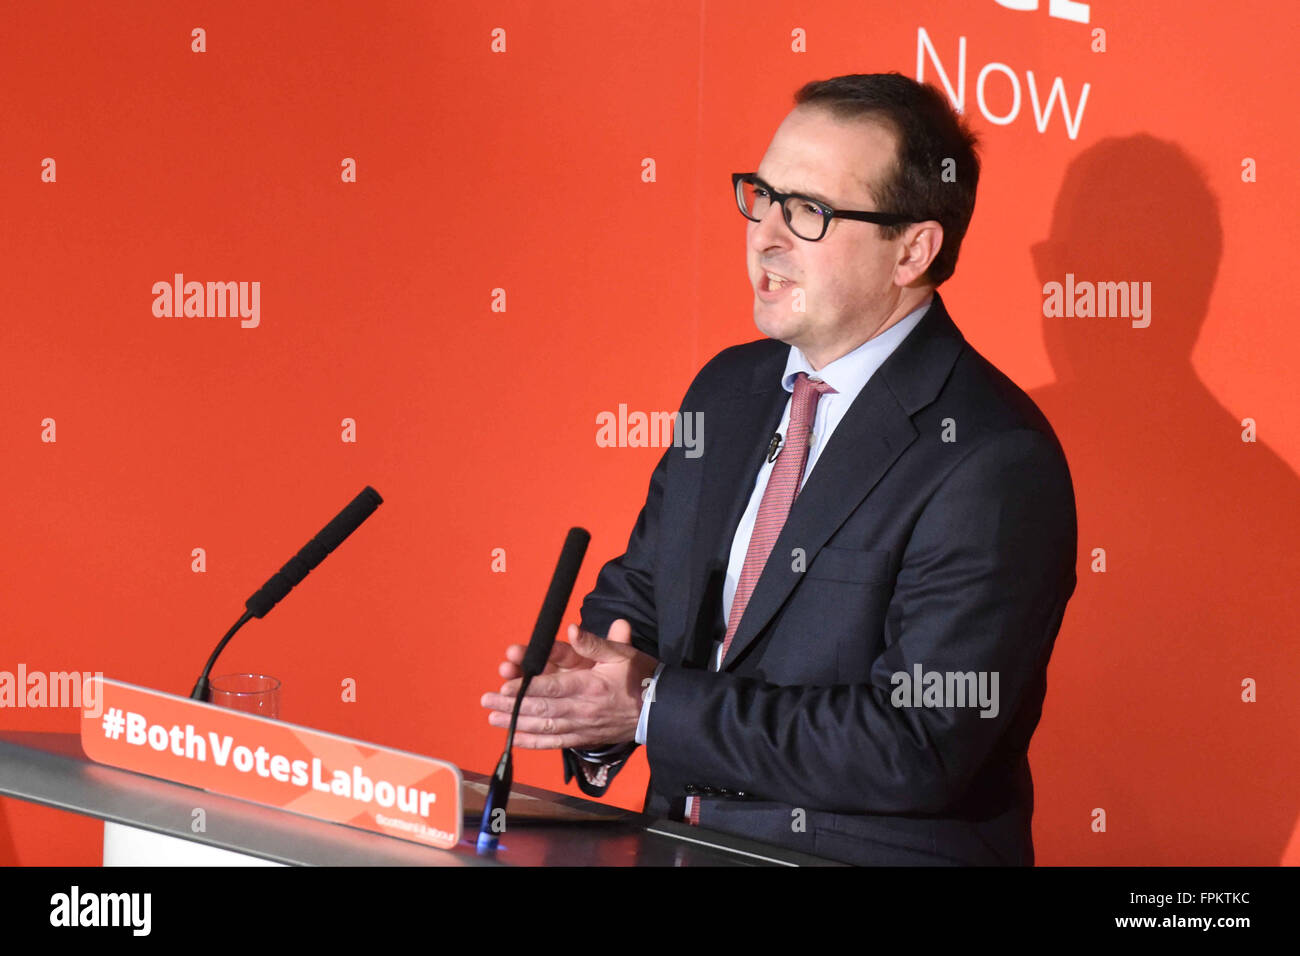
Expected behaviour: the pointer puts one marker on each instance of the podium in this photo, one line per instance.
(152, 821)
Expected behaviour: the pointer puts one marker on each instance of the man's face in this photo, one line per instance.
(847, 278)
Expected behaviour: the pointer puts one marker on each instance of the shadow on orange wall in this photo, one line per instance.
(1145, 714)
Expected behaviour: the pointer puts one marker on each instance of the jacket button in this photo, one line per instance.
(692, 789)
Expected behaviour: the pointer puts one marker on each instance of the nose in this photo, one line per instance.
(771, 230)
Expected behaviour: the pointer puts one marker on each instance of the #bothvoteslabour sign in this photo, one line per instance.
(270, 762)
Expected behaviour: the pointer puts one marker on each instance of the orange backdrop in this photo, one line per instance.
(540, 228)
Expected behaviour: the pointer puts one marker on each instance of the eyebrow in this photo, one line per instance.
(806, 193)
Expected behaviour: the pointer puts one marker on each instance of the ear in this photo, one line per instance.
(920, 244)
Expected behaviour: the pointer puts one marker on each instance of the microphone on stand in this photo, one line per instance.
(297, 568)
(535, 658)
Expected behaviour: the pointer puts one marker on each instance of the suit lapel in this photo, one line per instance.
(874, 432)
(746, 422)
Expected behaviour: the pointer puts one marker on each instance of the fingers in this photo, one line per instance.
(557, 695)
(545, 715)
(570, 673)
(544, 733)
(559, 684)
(569, 704)
(510, 671)
(598, 651)
(562, 657)
(620, 632)
(539, 725)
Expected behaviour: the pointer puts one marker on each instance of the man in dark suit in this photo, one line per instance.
(831, 629)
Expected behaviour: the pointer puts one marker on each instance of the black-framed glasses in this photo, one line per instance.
(807, 218)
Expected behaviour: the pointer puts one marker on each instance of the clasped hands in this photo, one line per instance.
(589, 695)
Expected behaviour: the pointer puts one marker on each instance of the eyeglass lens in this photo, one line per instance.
(806, 218)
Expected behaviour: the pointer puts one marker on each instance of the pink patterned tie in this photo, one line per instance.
(778, 497)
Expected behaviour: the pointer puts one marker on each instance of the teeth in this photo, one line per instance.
(775, 281)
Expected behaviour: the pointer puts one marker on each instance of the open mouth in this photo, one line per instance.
(771, 282)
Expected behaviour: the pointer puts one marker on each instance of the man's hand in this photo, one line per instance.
(588, 696)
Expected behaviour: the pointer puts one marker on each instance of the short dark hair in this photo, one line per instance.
(928, 132)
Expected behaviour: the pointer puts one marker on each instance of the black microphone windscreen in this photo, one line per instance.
(314, 551)
(557, 598)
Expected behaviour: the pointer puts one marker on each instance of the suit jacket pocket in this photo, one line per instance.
(852, 566)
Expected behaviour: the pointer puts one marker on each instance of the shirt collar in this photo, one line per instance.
(849, 373)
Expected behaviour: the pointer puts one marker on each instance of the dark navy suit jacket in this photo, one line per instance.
(938, 528)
